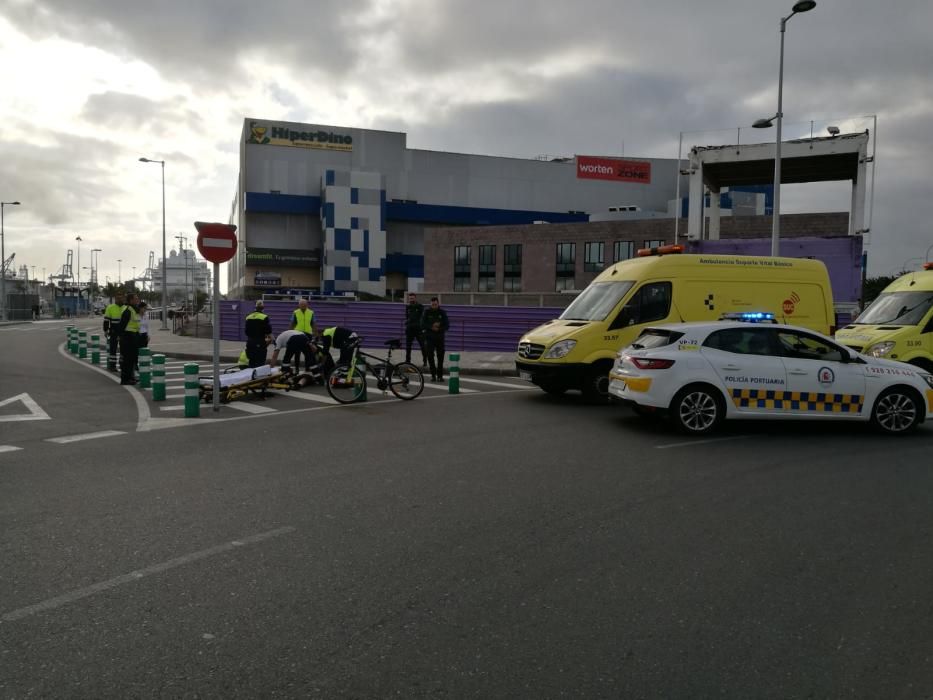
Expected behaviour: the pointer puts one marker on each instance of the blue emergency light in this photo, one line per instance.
(749, 316)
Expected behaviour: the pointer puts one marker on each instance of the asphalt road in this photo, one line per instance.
(499, 543)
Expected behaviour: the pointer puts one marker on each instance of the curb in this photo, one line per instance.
(230, 359)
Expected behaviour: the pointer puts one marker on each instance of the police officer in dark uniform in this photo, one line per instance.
(413, 312)
(435, 323)
(258, 332)
(128, 329)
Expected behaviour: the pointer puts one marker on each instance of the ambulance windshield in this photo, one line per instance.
(597, 301)
(897, 308)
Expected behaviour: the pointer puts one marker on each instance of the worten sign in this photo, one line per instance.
(282, 257)
(273, 135)
(595, 168)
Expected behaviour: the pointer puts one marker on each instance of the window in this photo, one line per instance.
(653, 244)
(623, 250)
(651, 302)
(487, 268)
(743, 341)
(597, 301)
(566, 265)
(593, 256)
(801, 346)
(462, 268)
(512, 269)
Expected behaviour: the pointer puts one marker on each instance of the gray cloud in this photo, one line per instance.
(647, 71)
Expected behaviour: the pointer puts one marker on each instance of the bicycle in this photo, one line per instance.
(346, 382)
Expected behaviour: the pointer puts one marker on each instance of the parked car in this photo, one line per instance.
(700, 374)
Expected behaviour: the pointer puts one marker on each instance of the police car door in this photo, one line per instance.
(820, 380)
(748, 364)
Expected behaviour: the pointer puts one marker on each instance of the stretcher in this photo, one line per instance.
(237, 383)
(240, 383)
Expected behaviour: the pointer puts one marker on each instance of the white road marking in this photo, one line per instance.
(9, 448)
(699, 442)
(171, 408)
(305, 397)
(35, 413)
(175, 396)
(85, 436)
(138, 574)
(249, 407)
(520, 387)
(442, 386)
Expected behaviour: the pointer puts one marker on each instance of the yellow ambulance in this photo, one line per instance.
(663, 285)
(898, 325)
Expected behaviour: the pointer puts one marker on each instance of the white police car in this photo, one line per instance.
(703, 373)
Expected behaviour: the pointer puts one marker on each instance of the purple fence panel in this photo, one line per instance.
(474, 328)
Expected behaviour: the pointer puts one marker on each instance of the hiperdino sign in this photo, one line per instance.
(283, 136)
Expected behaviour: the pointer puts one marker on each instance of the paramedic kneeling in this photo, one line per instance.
(296, 344)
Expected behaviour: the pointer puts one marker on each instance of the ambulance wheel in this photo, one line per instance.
(897, 411)
(596, 384)
(697, 409)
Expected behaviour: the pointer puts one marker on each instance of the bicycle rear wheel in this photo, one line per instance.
(406, 381)
(343, 387)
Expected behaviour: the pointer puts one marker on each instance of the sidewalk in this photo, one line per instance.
(201, 349)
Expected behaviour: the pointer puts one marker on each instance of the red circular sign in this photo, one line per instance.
(217, 242)
(788, 307)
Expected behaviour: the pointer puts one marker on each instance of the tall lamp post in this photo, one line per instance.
(164, 255)
(800, 6)
(95, 264)
(3, 261)
(78, 310)
(119, 271)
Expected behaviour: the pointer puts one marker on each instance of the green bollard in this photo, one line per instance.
(453, 382)
(82, 344)
(192, 390)
(158, 377)
(145, 358)
(95, 350)
(73, 340)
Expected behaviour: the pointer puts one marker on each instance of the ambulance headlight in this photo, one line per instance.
(880, 349)
(560, 349)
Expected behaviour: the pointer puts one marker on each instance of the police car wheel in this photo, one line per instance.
(697, 410)
(897, 411)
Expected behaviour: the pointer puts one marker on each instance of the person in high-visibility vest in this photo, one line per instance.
(343, 339)
(112, 315)
(258, 332)
(303, 318)
(128, 328)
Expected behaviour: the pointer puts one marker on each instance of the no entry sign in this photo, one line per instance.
(217, 242)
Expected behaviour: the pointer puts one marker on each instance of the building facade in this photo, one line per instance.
(334, 210)
(544, 259)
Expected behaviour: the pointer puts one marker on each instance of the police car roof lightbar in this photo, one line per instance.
(660, 250)
(749, 316)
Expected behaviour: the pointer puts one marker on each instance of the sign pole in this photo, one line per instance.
(215, 319)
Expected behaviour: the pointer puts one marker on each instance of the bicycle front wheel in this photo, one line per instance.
(343, 387)
(406, 381)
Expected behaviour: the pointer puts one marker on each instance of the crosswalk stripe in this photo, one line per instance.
(492, 383)
(249, 407)
(305, 397)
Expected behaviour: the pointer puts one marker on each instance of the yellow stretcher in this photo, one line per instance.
(237, 384)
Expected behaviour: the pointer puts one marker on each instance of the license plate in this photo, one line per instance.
(524, 375)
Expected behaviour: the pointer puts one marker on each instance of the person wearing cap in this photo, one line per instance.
(257, 330)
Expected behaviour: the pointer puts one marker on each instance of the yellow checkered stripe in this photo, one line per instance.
(811, 401)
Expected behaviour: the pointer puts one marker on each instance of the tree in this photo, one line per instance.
(873, 286)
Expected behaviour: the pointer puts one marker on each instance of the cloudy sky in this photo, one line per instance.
(89, 86)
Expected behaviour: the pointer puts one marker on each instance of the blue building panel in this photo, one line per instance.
(354, 195)
(411, 265)
(475, 216)
(330, 177)
(362, 257)
(329, 214)
(341, 272)
(265, 202)
(341, 239)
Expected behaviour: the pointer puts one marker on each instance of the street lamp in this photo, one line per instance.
(95, 265)
(164, 255)
(800, 6)
(78, 310)
(119, 271)
(3, 262)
